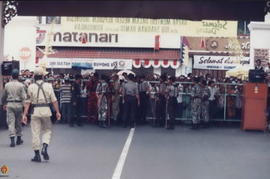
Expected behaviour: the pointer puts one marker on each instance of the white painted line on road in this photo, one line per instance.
(122, 159)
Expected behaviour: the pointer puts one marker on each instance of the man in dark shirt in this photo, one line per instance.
(76, 100)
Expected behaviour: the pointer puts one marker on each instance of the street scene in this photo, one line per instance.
(91, 152)
(135, 90)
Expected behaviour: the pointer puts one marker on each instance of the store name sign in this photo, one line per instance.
(85, 37)
(219, 62)
(237, 46)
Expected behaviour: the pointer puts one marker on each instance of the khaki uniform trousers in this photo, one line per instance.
(40, 126)
(14, 116)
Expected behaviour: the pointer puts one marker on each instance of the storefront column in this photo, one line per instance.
(1, 47)
(157, 71)
(259, 38)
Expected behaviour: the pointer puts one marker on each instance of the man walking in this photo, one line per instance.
(13, 98)
(40, 95)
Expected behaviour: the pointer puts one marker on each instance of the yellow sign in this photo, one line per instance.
(4, 170)
(205, 28)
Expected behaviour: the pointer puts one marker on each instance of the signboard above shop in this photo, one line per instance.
(219, 62)
(96, 64)
(129, 32)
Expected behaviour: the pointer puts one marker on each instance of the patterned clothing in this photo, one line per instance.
(92, 101)
(65, 93)
(102, 89)
(196, 94)
(205, 104)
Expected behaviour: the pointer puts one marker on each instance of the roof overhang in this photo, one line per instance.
(189, 9)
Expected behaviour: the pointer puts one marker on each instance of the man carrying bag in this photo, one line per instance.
(40, 96)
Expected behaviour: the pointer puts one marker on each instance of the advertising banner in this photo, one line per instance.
(219, 62)
(129, 32)
(96, 64)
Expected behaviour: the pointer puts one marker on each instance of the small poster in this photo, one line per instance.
(263, 55)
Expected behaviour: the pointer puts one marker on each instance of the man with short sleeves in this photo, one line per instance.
(40, 95)
(13, 98)
(131, 100)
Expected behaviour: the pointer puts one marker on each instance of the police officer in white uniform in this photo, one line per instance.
(13, 98)
(131, 101)
(40, 95)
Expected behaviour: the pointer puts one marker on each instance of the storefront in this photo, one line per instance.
(216, 55)
(153, 45)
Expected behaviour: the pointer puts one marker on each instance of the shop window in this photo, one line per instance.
(56, 19)
(169, 71)
(39, 19)
(243, 28)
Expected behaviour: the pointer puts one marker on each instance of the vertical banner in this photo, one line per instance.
(157, 42)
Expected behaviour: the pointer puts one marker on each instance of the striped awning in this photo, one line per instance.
(156, 63)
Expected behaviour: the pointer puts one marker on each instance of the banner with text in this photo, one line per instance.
(129, 32)
(96, 64)
(219, 62)
(212, 28)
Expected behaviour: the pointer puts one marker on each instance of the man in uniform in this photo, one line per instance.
(143, 93)
(131, 100)
(171, 91)
(196, 103)
(40, 95)
(161, 102)
(13, 98)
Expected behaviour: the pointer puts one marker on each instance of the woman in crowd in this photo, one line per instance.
(92, 98)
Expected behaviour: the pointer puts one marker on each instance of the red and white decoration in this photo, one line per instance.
(155, 63)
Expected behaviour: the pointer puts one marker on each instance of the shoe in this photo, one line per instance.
(71, 124)
(194, 126)
(44, 152)
(170, 128)
(79, 124)
(19, 140)
(37, 157)
(12, 141)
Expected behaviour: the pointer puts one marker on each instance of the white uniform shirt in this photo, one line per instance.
(49, 93)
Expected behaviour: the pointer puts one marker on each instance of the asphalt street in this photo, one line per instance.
(154, 153)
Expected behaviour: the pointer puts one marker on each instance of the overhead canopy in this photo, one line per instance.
(189, 9)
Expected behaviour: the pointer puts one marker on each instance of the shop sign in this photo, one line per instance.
(228, 44)
(219, 62)
(97, 64)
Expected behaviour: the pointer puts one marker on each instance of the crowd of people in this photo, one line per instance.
(107, 99)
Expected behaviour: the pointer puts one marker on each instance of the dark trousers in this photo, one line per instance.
(143, 107)
(161, 110)
(172, 107)
(76, 112)
(130, 106)
(66, 111)
(212, 109)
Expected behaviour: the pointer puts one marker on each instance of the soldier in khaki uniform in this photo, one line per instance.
(13, 99)
(40, 95)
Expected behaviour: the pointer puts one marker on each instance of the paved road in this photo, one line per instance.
(92, 153)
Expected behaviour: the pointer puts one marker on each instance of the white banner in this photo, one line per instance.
(79, 39)
(219, 62)
(96, 64)
(129, 32)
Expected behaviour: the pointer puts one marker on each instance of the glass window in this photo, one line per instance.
(56, 19)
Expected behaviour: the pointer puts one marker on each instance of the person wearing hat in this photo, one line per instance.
(13, 98)
(40, 95)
